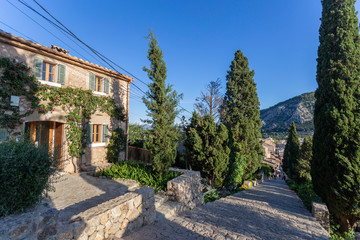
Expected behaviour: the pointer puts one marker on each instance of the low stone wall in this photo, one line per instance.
(321, 213)
(114, 218)
(186, 189)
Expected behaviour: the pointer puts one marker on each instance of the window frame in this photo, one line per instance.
(97, 133)
(47, 71)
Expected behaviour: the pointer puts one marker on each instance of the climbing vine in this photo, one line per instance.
(15, 80)
(79, 104)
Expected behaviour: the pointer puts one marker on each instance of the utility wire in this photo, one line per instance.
(17, 31)
(67, 31)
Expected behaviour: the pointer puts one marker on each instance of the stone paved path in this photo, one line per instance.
(267, 211)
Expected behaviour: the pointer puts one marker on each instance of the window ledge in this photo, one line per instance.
(53, 84)
(99, 93)
(97, 145)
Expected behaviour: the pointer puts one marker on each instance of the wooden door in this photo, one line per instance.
(58, 142)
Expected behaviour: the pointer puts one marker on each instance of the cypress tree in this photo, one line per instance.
(161, 101)
(291, 152)
(207, 148)
(335, 167)
(241, 111)
(303, 167)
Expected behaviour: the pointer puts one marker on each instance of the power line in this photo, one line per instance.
(18, 31)
(69, 32)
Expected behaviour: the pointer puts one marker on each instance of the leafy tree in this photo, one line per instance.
(242, 117)
(207, 148)
(335, 168)
(291, 152)
(303, 166)
(210, 101)
(161, 101)
(137, 135)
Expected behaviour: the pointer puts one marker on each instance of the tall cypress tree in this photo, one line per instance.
(292, 151)
(242, 117)
(207, 148)
(336, 162)
(303, 167)
(161, 101)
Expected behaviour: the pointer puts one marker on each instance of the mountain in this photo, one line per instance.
(277, 119)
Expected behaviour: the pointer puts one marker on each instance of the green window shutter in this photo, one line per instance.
(106, 85)
(105, 132)
(61, 74)
(90, 133)
(92, 81)
(38, 64)
(3, 135)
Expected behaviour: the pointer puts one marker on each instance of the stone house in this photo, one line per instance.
(55, 67)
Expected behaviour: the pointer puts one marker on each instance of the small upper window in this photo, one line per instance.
(48, 72)
(99, 84)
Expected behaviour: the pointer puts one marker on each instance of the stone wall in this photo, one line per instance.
(321, 214)
(114, 218)
(186, 189)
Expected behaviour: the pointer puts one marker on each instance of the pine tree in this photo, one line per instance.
(303, 166)
(291, 152)
(207, 148)
(335, 168)
(161, 101)
(242, 117)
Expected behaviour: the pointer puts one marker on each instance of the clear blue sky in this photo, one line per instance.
(198, 38)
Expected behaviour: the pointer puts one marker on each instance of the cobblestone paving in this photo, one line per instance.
(267, 211)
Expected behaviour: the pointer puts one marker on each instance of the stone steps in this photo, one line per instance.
(168, 210)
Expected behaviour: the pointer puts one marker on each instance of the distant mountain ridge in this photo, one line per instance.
(277, 119)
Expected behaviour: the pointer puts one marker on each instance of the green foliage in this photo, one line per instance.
(15, 80)
(117, 143)
(266, 169)
(241, 115)
(335, 235)
(144, 174)
(291, 152)
(161, 101)
(24, 175)
(211, 195)
(79, 105)
(305, 191)
(137, 135)
(336, 162)
(303, 166)
(207, 148)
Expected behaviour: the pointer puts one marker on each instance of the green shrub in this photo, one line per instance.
(334, 234)
(305, 191)
(24, 175)
(144, 174)
(211, 195)
(116, 144)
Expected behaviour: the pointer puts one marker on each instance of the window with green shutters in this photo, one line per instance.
(99, 84)
(94, 131)
(44, 71)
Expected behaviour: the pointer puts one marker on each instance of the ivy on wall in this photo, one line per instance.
(78, 104)
(15, 80)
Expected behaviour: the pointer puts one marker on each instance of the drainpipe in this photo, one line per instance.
(127, 123)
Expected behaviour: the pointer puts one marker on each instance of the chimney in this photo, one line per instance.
(59, 49)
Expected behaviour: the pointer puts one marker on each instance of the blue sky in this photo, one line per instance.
(198, 38)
